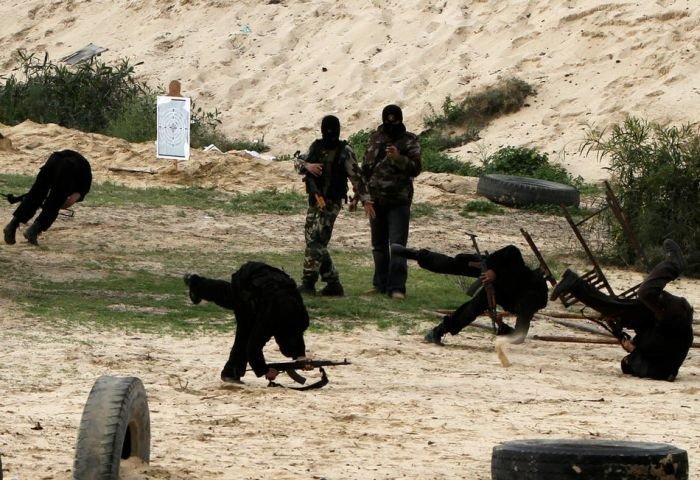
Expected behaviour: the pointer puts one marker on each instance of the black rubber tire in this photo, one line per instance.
(587, 460)
(115, 425)
(514, 191)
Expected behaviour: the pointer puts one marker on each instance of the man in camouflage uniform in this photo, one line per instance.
(327, 167)
(391, 162)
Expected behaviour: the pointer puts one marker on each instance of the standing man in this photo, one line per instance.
(663, 323)
(391, 162)
(64, 179)
(327, 167)
(266, 304)
(518, 288)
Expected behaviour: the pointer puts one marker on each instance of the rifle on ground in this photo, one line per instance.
(290, 368)
(488, 287)
(311, 187)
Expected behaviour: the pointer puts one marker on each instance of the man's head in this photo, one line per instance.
(392, 121)
(330, 131)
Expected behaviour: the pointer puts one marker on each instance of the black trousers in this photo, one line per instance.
(389, 226)
(52, 186)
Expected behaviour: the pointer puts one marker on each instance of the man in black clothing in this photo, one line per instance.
(662, 322)
(64, 179)
(518, 288)
(267, 304)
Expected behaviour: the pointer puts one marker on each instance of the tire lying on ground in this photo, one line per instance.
(115, 425)
(514, 191)
(587, 460)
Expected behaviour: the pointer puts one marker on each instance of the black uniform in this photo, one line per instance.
(662, 322)
(267, 304)
(64, 173)
(518, 288)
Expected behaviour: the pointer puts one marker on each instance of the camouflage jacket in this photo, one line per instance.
(391, 182)
(339, 166)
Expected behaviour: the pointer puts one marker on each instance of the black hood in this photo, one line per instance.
(392, 122)
(330, 131)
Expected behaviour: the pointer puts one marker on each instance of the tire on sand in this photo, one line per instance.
(514, 191)
(587, 460)
(115, 425)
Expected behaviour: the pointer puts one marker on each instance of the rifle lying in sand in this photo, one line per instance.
(290, 368)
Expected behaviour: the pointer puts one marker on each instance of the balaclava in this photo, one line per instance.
(390, 114)
(330, 131)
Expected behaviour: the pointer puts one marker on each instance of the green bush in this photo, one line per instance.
(528, 162)
(656, 176)
(100, 98)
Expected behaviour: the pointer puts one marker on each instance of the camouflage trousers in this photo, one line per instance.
(317, 233)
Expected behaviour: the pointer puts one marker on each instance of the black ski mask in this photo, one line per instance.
(392, 121)
(330, 131)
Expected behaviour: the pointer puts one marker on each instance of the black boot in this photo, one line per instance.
(32, 233)
(435, 335)
(333, 289)
(189, 279)
(10, 230)
(307, 287)
(567, 281)
(401, 251)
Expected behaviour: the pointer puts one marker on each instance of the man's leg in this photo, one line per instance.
(462, 317)
(666, 307)
(235, 366)
(327, 269)
(440, 263)
(379, 230)
(398, 224)
(312, 256)
(202, 288)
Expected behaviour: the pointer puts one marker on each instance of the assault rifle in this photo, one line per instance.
(290, 368)
(311, 187)
(488, 287)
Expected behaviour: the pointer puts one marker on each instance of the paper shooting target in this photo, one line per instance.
(173, 127)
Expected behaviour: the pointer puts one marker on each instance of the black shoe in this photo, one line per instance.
(226, 378)
(307, 288)
(333, 289)
(435, 335)
(9, 232)
(32, 233)
(567, 281)
(188, 278)
(674, 253)
(504, 329)
(401, 251)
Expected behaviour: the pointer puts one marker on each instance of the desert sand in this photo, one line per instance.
(404, 409)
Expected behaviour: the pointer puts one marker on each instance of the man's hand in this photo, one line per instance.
(392, 153)
(627, 345)
(489, 276)
(369, 209)
(272, 374)
(70, 201)
(314, 169)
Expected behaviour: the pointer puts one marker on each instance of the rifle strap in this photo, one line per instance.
(314, 386)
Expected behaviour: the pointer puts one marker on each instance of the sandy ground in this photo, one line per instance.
(403, 409)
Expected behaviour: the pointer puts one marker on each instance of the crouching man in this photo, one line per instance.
(267, 304)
